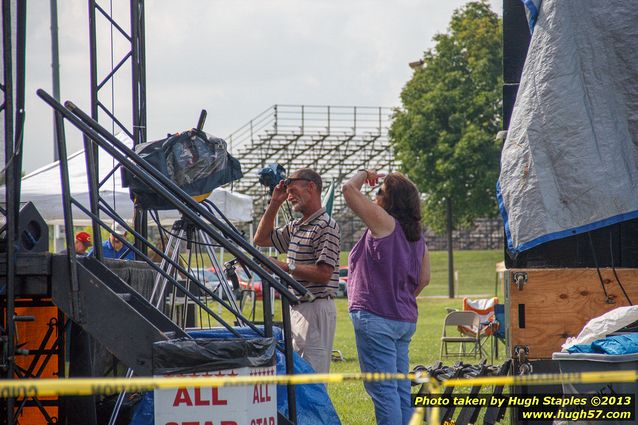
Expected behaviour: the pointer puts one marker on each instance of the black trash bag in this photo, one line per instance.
(193, 355)
(196, 161)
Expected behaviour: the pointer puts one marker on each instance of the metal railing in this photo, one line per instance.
(205, 220)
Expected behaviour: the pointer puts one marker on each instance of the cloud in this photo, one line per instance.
(235, 58)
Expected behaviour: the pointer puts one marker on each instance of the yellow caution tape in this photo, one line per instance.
(572, 378)
(106, 386)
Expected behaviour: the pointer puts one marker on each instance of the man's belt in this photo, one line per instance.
(318, 297)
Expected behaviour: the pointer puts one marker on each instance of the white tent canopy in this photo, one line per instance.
(43, 188)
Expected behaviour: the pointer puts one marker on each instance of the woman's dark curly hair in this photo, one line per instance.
(400, 198)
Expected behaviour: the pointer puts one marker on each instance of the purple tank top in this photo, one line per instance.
(383, 275)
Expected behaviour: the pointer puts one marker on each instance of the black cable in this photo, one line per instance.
(201, 268)
(611, 253)
(203, 275)
(210, 206)
(176, 236)
(200, 275)
(600, 276)
(161, 229)
(188, 290)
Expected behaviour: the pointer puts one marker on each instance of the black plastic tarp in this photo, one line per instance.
(186, 355)
(196, 161)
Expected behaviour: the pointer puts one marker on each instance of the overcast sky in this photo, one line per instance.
(235, 58)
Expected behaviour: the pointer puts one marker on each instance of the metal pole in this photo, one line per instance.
(20, 89)
(76, 314)
(92, 174)
(290, 367)
(55, 64)
(93, 62)
(139, 72)
(450, 248)
(138, 77)
(80, 409)
(267, 305)
(10, 197)
(88, 144)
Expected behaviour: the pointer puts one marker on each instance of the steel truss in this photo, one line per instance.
(25, 354)
(133, 35)
(134, 55)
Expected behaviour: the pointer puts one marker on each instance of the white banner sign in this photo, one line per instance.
(245, 405)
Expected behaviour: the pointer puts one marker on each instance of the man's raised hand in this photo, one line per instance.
(279, 194)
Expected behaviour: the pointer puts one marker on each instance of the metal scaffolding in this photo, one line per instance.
(102, 78)
(132, 34)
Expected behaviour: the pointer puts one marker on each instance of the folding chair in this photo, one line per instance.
(487, 323)
(499, 335)
(461, 320)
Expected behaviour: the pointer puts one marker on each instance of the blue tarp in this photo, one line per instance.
(531, 11)
(613, 345)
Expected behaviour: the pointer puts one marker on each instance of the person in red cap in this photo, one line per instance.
(82, 243)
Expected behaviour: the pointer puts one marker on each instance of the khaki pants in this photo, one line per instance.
(313, 332)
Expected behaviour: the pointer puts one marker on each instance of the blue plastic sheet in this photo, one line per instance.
(581, 348)
(617, 344)
(313, 404)
(613, 345)
(314, 407)
(143, 413)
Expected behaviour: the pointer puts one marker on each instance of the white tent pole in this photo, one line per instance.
(58, 238)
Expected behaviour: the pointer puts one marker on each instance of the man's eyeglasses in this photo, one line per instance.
(289, 181)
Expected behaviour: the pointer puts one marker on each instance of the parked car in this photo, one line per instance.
(253, 283)
(343, 273)
(342, 292)
(209, 277)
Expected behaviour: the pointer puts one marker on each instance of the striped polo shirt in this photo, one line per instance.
(313, 241)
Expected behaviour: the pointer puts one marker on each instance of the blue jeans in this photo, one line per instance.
(382, 345)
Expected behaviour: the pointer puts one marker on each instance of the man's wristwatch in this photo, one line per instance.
(291, 267)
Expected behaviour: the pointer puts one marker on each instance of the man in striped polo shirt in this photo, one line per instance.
(312, 245)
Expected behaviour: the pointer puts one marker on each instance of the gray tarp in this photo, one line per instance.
(569, 164)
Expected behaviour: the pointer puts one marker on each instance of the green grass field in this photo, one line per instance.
(476, 276)
(475, 270)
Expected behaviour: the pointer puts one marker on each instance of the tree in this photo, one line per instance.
(445, 133)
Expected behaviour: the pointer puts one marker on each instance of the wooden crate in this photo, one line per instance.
(555, 304)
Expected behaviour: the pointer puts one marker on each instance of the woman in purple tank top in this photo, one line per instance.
(387, 268)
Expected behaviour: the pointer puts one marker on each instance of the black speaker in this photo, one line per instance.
(611, 246)
(33, 233)
(516, 38)
(509, 98)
